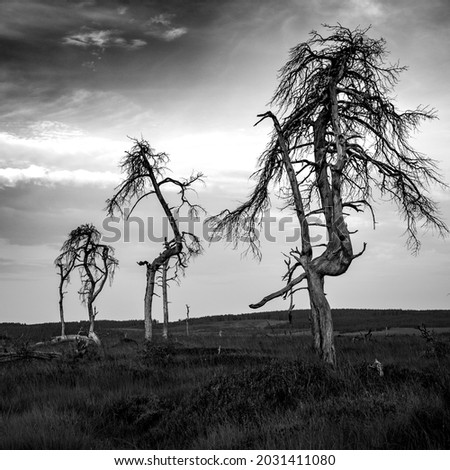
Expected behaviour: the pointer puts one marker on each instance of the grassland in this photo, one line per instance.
(264, 390)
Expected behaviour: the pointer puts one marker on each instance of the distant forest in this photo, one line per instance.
(344, 320)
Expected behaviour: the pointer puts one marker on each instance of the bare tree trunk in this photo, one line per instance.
(91, 314)
(61, 311)
(315, 326)
(322, 323)
(187, 320)
(149, 291)
(165, 300)
(62, 279)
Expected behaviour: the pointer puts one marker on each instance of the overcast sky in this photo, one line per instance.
(78, 77)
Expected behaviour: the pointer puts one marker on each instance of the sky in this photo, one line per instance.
(78, 79)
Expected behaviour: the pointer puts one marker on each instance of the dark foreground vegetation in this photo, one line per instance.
(243, 383)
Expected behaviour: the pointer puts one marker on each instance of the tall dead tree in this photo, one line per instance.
(338, 137)
(144, 171)
(95, 262)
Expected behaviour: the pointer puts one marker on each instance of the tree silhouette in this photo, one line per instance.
(95, 262)
(64, 264)
(145, 172)
(339, 137)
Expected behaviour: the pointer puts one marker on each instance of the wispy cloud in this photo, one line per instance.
(50, 130)
(369, 8)
(97, 41)
(40, 175)
(55, 150)
(102, 39)
(161, 27)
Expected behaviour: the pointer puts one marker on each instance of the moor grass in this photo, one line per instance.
(263, 391)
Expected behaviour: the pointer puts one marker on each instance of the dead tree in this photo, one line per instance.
(65, 267)
(164, 280)
(187, 320)
(434, 347)
(291, 307)
(145, 171)
(95, 262)
(27, 354)
(169, 273)
(337, 138)
(165, 300)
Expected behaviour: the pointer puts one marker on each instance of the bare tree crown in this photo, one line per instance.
(95, 261)
(344, 138)
(144, 172)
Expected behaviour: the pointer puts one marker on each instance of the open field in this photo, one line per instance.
(234, 383)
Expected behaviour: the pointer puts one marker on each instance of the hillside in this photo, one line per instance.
(345, 320)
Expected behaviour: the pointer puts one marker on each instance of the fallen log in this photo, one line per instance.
(27, 354)
(92, 338)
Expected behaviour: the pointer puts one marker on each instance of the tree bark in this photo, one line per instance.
(93, 336)
(148, 300)
(61, 310)
(66, 339)
(62, 279)
(322, 323)
(165, 301)
(187, 320)
(91, 315)
(315, 326)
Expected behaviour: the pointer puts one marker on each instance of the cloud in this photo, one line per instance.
(173, 33)
(38, 214)
(161, 27)
(102, 39)
(60, 152)
(163, 19)
(45, 176)
(370, 8)
(78, 110)
(50, 130)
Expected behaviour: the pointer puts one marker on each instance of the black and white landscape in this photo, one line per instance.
(224, 224)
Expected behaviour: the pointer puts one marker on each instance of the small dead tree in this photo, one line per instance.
(95, 262)
(145, 175)
(338, 141)
(164, 279)
(291, 307)
(65, 266)
(187, 319)
(169, 273)
(434, 347)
